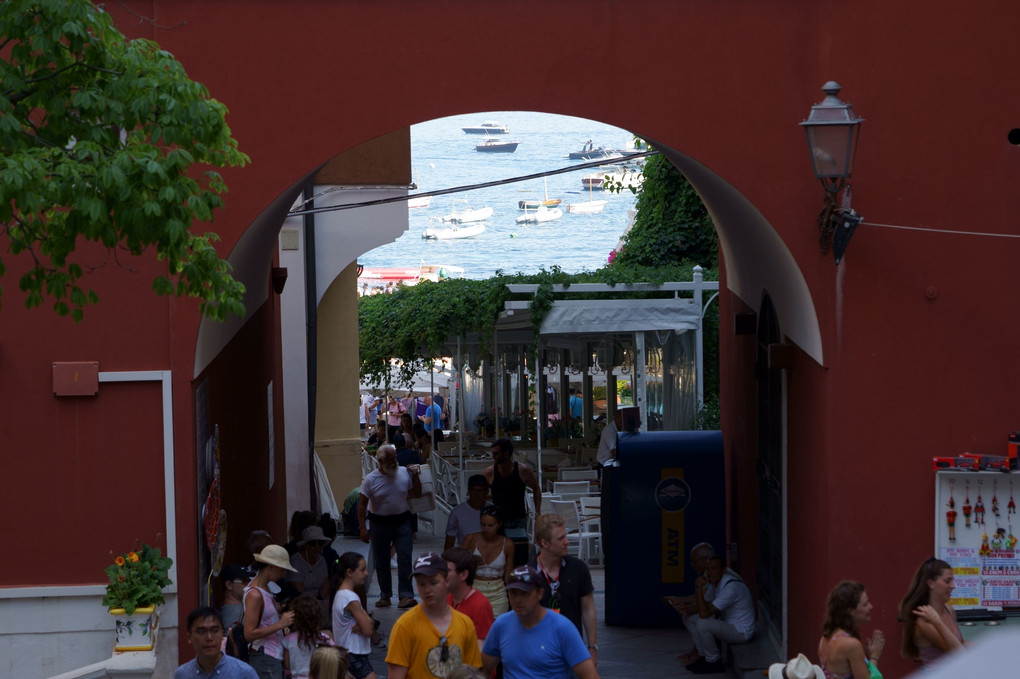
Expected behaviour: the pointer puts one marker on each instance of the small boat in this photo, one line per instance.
(535, 204)
(496, 145)
(589, 208)
(466, 214)
(453, 232)
(417, 202)
(380, 276)
(542, 214)
(625, 178)
(592, 152)
(488, 127)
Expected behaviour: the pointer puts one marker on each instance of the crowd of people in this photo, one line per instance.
(485, 605)
(720, 613)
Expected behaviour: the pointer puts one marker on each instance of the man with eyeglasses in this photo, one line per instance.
(534, 642)
(566, 580)
(205, 634)
(431, 640)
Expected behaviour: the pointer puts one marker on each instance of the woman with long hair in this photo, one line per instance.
(264, 626)
(929, 622)
(328, 662)
(841, 652)
(495, 554)
(407, 429)
(305, 637)
(352, 626)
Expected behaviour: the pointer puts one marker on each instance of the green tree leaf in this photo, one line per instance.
(107, 140)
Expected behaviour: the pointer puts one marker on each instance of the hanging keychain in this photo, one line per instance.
(1011, 507)
(984, 551)
(966, 504)
(1010, 539)
(995, 498)
(979, 511)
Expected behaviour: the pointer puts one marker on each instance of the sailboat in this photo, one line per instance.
(423, 201)
(591, 207)
(535, 204)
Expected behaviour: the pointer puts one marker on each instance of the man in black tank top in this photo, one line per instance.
(508, 480)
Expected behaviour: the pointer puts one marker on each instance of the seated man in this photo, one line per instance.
(729, 617)
(687, 606)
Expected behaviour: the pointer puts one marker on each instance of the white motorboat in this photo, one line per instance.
(467, 214)
(497, 145)
(542, 214)
(453, 232)
(488, 127)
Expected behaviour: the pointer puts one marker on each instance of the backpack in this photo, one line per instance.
(237, 645)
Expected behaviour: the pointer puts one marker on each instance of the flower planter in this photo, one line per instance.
(136, 632)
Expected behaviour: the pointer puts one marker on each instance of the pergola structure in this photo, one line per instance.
(656, 343)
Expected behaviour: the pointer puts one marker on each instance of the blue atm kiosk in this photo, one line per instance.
(666, 495)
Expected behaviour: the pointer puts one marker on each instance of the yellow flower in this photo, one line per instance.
(119, 561)
(132, 557)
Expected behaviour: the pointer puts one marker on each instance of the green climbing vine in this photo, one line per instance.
(671, 234)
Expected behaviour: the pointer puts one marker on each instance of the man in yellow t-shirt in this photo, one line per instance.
(432, 639)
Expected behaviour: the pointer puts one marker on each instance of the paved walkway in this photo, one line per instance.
(624, 652)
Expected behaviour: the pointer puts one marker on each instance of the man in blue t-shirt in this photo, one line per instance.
(534, 642)
(433, 417)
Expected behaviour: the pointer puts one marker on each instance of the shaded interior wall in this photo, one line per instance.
(739, 424)
(237, 382)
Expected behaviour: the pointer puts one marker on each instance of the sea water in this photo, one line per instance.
(443, 156)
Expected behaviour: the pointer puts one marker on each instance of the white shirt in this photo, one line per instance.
(735, 604)
(607, 443)
(387, 493)
(367, 403)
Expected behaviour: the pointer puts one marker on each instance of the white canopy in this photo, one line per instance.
(620, 315)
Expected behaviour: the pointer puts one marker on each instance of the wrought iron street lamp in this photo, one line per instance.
(832, 131)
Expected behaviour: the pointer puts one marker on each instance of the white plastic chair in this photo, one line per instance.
(572, 490)
(580, 536)
(582, 474)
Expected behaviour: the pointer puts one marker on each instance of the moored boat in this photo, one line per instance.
(535, 204)
(453, 232)
(496, 145)
(592, 152)
(625, 178)
(542, 214)
(488, 127)
(379, 276)
(467, 214)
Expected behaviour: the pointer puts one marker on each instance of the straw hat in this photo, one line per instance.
(275, 555)
(798, 668)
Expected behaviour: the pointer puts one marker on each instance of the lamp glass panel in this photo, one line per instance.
(831, 150)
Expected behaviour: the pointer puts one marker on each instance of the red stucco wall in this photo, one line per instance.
(724, 82)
